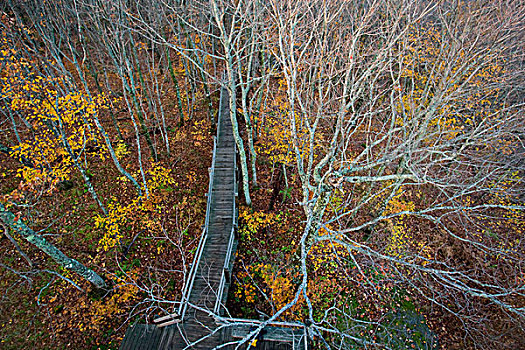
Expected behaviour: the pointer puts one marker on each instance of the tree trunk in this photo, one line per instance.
(276, 188)
(177, 90)
(40, 242)
(238, 138)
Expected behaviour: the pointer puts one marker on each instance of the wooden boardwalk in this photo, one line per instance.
(210, 288)
(208, 283)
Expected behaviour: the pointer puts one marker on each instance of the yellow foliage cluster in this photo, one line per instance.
(278, 284)
(327, 254)
(401, 240)
(159, 177)
(104, 309)
(424, 66)
(61, 123)
(117, 216)
(277, 144)
(121, 150)
(509, 248)
(200, 131)
(247, 290)
(253, 222)
(141, 208)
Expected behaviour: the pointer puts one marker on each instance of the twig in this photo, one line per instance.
(6, 232)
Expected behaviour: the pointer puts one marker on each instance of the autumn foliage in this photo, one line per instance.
(381, 145)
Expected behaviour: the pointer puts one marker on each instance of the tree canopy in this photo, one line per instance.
(381, 148)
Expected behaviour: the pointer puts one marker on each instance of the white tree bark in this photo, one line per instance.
(20, 228)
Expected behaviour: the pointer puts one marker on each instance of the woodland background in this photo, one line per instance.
(382, 148)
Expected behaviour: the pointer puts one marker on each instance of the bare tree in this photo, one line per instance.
(405, 114)
(231, 35)
(404, 122)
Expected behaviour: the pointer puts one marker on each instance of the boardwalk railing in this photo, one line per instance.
(198, 254)
(282, 331)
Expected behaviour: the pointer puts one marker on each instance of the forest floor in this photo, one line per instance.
(267, 273)
(40, 310)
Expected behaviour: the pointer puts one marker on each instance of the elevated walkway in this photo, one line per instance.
(195, 325)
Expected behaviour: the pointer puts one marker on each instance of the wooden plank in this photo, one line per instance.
(135, 337)
(139, 336)
(269, 333)
(166, 318)
(126, 342)
(169, 323)
(154, 338)
(169, 336)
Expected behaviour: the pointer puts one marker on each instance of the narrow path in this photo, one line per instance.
(208, 282)
(208, 285)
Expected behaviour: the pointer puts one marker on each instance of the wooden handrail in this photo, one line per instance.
(198, 254)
